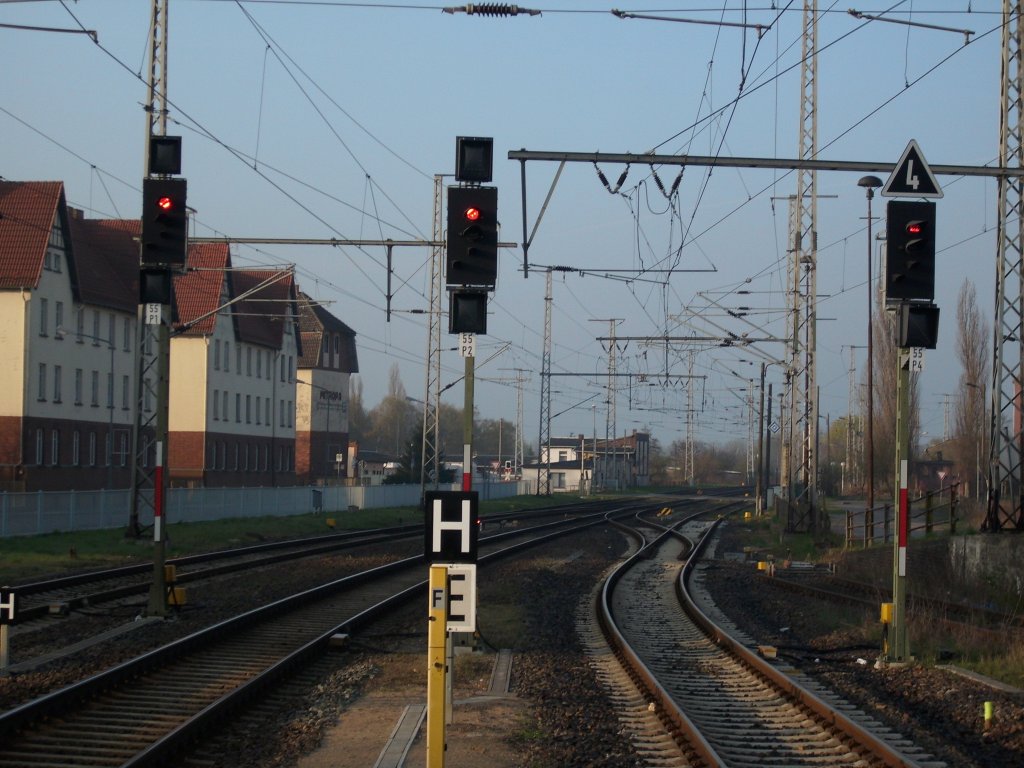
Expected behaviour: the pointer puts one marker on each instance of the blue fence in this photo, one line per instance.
(27, 514)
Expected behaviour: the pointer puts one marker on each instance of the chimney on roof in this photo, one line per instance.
(75, 213)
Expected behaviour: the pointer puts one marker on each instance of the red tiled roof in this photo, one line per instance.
(106, 261)
(197, 293)
(27, 211)
(260, 317)
(317, 326)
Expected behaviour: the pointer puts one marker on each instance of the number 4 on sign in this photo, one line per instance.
(916, 359)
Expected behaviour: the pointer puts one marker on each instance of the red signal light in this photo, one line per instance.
(472, 214)
(165, 203)
(914, 228)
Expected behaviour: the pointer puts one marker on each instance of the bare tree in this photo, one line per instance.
(357, 418)
(393, 419)
(971, 425)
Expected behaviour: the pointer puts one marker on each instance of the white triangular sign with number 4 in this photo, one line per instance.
(912, 177)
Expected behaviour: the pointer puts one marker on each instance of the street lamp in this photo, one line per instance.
(870, 183)
(62, 333)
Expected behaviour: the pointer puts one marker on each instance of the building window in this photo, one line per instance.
(245, 459)
(238, 359)
(112, 330)
(92, 449)
(54, 447)
(95, 388)
(78, 386)
(227, 356)
(259, 363)
(248, 409)
(282, 414)
(224, 410)
(56, 383)
(44, 309)
(41, 392)
(79, 323)
(76, 440)
(216, 404)
(109, 449)
(59, 316)
(39, 447)
(238, 410)
(216, 354)
(236, 457)
(283, 363)
(248, 361)
(56, 235)
(124, 448)
(95, 327)
(266, 406)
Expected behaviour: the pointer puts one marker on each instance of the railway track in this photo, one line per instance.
(724, 704)
(144, 712)
(48, 601)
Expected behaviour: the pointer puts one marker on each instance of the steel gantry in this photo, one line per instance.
(802, 502)
(544, 439)
(1006, 460)
(430, 463)
(152, 354)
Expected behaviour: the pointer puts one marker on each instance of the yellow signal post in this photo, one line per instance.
(437, 669)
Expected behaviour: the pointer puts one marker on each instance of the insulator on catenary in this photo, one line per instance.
(497, 9)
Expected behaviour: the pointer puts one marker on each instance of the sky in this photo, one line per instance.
(331, 119)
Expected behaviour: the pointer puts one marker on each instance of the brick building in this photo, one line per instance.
(321, 418)
(68, 344)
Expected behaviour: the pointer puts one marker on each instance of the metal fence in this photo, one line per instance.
(934, 511)
(27, 514)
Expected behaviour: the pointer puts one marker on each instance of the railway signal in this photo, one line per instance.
(472, 236)
(164, 222)
(910, 251)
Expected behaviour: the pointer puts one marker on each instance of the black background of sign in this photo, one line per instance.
(451, 511)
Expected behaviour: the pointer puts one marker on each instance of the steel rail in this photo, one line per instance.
(826, 712)
(60, 702)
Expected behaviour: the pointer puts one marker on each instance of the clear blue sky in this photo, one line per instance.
(322, 119)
